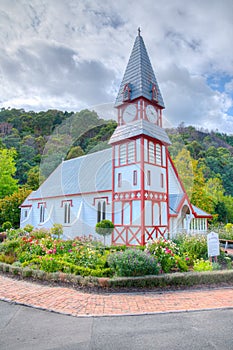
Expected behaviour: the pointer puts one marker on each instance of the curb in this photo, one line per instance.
(178, 279)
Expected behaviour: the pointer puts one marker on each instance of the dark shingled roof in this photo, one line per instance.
(139, 74)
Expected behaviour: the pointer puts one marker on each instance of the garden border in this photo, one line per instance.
(163, 281)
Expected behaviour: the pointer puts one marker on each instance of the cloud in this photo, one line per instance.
(70, 54)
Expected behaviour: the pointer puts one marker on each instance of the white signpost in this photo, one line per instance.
(213, 245)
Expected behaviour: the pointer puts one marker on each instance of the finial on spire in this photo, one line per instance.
(139, 31)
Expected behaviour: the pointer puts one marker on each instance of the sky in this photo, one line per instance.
(72, 54)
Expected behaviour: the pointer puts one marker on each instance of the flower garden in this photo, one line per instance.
(45, 250)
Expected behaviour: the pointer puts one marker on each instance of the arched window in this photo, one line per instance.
(126, 92)
(104, 210)
(154, 92)
(42, 212)
(67, 213)
(99, 212)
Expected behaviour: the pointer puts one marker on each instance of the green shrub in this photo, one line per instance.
(57, 230)
(6, 225)
(28, 228)
(104, 228)
(8, 259)
(9, 246)
(168, 256)
(194, 246)
(132, 262)
(202, 265)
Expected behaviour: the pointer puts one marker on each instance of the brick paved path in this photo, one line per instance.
(76, 303)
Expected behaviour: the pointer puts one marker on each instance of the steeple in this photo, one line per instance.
(139, 78)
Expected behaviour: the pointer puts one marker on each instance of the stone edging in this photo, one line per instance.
(178, 279)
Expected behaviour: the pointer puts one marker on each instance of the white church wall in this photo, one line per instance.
(156, 182)
(163, 213)
(127, 178)
(174, 185)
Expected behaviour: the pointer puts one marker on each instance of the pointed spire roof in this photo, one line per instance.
(139, 75)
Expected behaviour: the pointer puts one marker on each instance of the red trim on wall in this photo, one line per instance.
(70, 201)
(99, 198)
(113, 184)
(167, 189)
(142, 192)
(41, 203)
(69, 195)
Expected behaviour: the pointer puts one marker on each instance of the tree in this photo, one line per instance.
(104, 228)
(8, 184)
(184, 165)
(9, 206)
(75, 152)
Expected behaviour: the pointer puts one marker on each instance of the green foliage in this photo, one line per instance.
(8, 184)
(168, 255)
(202, 265)
(75, 152)
(195, 246)
(132, 262)
(104, 228)
(57, 230)
(28, 228)
(6, 225)
(9, 206)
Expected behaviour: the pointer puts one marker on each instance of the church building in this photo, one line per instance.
(134, 183)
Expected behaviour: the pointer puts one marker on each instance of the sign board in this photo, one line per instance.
(213, 244)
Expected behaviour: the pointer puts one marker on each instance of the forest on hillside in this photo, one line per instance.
(32, 144)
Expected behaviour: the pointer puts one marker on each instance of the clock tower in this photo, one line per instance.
(140, 158)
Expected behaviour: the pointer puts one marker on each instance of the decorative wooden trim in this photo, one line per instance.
(41, 203)
(99, 199)
(70, 195)
(70, 201)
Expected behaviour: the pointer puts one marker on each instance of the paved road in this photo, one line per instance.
(25, 328)
(77, 303)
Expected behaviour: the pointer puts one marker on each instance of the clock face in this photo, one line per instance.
(129, 113)
(151, 113)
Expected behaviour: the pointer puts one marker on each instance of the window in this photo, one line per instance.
(126, 92)
(122, 154)
(67, 213)
(162, 180)
(101, 211)
(135, 180)
(154, 93)
(42, 212)
(26, 214)
(158, 154)
(131, 152)
(151, 152)
(148, 178)
(104, 211)
(119, 179)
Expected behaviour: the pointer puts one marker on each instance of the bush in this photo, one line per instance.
(202, 265)
(6, 225)
(133, 262)
(195, 246)
(168, 255)
(57, 230)
(104, 228)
